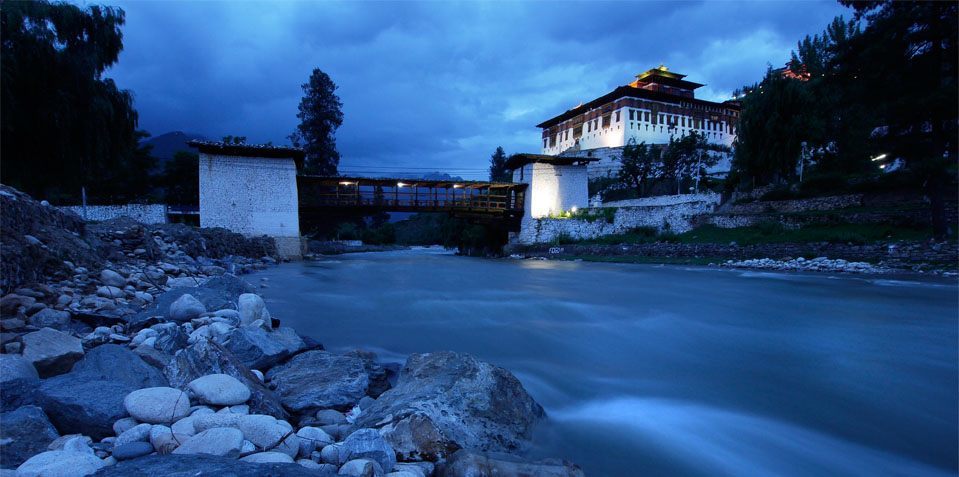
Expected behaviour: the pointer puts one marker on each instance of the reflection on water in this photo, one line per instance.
(659, 370)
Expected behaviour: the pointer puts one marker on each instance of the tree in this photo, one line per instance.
(905, 65)
(234, 140)
(64, 126)
(497, 167)
(640, 164)
(320, 115)
(181, 179)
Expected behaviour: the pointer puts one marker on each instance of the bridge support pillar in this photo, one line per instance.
(251, 190)
(557, 186)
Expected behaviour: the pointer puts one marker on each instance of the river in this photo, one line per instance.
(669, 370)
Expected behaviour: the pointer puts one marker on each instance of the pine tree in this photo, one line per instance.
(320, 115)
(497, 167)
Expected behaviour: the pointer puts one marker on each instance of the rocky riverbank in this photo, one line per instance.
(941, 258)
(138, 350)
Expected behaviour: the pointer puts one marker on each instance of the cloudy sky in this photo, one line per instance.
(433, 85)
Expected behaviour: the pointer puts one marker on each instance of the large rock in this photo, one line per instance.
(186, 308)
(159, 405)
(251, 308)
(50, 318)
(319, 379)
(18, 381)
(52, 352)
(224, 441)
(170, 338)
(369, 444)
(268, 433)
(216, 294)
(200, 465)
(207, 357)
(468, 463)
(60, 464)
(109, 277)
(261, 349)
(459, 401)
(219, 390)
(24, 433)
(89, 399)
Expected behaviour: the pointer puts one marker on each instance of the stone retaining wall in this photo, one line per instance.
(143, 213)
(594, 222)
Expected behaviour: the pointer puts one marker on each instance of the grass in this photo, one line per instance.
(770, 233)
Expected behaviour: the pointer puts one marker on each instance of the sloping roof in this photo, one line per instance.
(629, 91)
(250, 150)
(519, 160)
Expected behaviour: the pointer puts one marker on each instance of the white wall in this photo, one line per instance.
(252, 196)
(143, 213)
(620, 132)
(553, 189)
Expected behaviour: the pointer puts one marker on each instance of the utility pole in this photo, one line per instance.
(802, 160)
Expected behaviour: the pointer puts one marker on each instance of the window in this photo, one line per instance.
(566, 136)
(578, 132)
(606, 121)
(617, 116)
(647, 116)
(545, 143)
(631, 115)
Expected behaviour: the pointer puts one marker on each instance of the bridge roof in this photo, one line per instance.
(407, 182)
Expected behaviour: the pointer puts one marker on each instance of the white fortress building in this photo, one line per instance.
(657, 106)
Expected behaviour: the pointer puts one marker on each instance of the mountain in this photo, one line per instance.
(166, 145)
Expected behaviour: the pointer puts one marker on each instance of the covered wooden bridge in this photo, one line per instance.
(493, 200)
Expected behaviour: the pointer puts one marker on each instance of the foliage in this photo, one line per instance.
(881, 85)
(180, 179)
(607, 214)
(234, 140)
(320, 115)
(63, 125)
(497, 167)
(640, 163)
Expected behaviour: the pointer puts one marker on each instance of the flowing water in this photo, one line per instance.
(663, 370)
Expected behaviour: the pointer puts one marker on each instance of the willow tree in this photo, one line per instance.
(64, 125)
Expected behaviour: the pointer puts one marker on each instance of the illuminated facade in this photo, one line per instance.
(658, 105)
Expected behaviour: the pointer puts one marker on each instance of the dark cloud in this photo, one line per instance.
(433, 84)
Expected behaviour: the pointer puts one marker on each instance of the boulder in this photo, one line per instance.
(446, 400)
(261, 349)
(109, 277)
(319, 379)
(165, 440)
(110, 292)
(132, 450)
(207, 357)
(311, 439)
(251, 308)
(12, 303)
(219, 390)
(89, 399)
(159, 405)
(330, 416)
(18, 381)
(186, 308)
(368, 444)
(137, 433)
(361, 468)
(268, 433)
(60, 464)
(222, 441)
(380, 376)
(170, 337)
(209, 421)
(50, 318)
(24, 433)
(469, 463)
(200, 465)
(216, 294)
(52, 352)
(265, 457)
